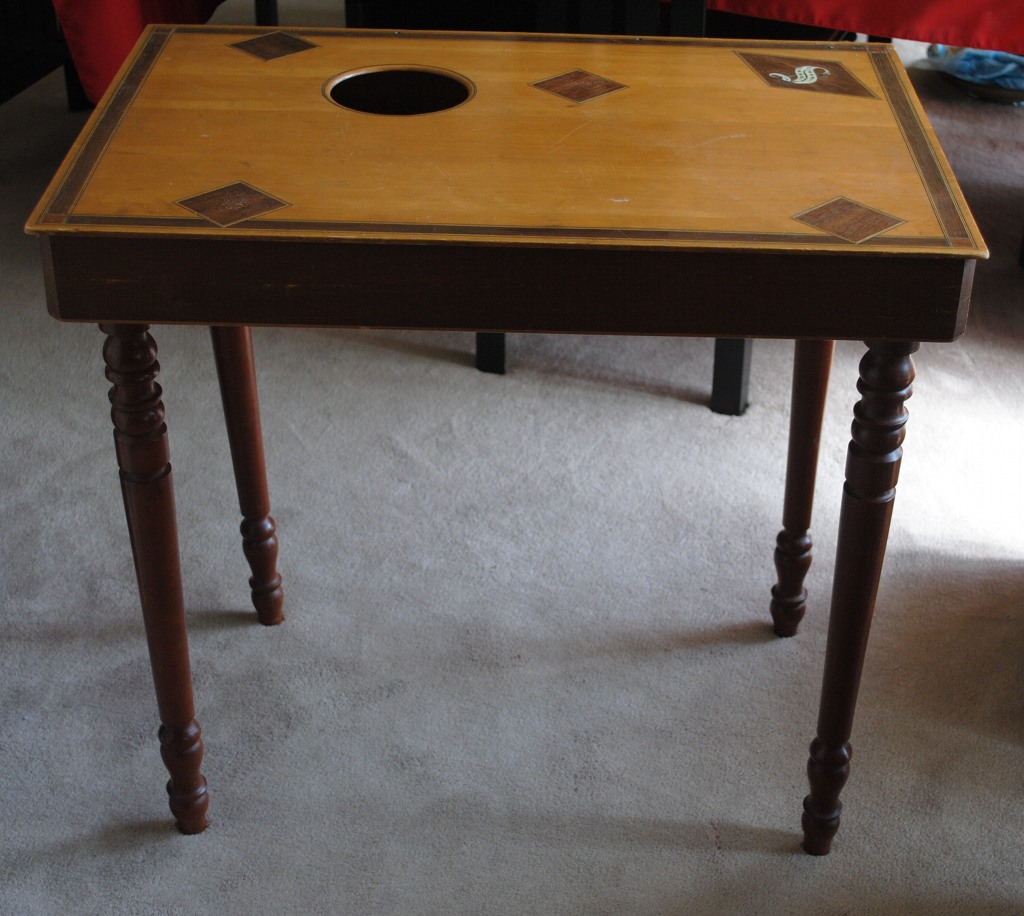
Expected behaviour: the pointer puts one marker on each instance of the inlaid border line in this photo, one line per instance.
(109, 120)
(256, 225)
(537, 37)
(944, 205)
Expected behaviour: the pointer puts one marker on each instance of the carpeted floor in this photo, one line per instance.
(526, 667)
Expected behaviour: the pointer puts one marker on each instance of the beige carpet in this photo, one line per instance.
(526, 667)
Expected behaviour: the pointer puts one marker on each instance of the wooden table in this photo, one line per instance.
(238, 177)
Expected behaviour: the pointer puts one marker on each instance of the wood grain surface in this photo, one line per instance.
(683, 143)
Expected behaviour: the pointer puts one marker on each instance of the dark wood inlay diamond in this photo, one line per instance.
(232, 203)
(273, 45)
(579, 85)
(849, 220)
(826, 76)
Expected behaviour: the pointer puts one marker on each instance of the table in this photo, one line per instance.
(486, 182)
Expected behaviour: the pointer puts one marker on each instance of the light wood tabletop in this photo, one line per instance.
(650, 142)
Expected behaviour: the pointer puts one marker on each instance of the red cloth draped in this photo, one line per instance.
(994, 25)
(101, 33)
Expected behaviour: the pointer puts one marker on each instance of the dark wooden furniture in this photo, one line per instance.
(31, 47)
(266, 12)
(774, 224)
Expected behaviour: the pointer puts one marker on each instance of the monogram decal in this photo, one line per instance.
(806, 74)
(802, 76)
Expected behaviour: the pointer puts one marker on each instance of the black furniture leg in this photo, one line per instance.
(686, 17)
(77, 100)
(266, 12)
(731, 376)
(490, 353)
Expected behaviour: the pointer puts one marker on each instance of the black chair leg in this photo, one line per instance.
(77, 99)
(685, 18)
(731, 376)
(266, 12)
(490, 353)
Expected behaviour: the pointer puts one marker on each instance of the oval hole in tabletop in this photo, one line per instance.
(400, 90)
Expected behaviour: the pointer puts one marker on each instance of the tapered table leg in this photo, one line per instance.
(872, 469)
(140, 438)
(236, 370)
(812, 362)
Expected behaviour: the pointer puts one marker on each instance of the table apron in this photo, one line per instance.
(500, 288)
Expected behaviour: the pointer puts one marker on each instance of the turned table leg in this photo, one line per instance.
(812, 362)
(140, 438)
(872, 469)
(236, 370)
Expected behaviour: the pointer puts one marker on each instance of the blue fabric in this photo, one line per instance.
(986, 68)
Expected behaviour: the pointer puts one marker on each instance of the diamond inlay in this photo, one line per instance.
(579, 85)
(273, 45)
(232, 204)
(849, 220)
(828, 76)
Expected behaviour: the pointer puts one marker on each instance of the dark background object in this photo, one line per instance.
(31, 46)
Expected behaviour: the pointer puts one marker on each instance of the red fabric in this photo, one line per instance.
(994, 25)
(101, 33)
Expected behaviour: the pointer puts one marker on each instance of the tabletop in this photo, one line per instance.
(483, 141)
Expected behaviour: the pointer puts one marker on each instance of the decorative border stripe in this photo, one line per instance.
(532, 37)
(117, 106)
(538, 232)
(944, 205)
